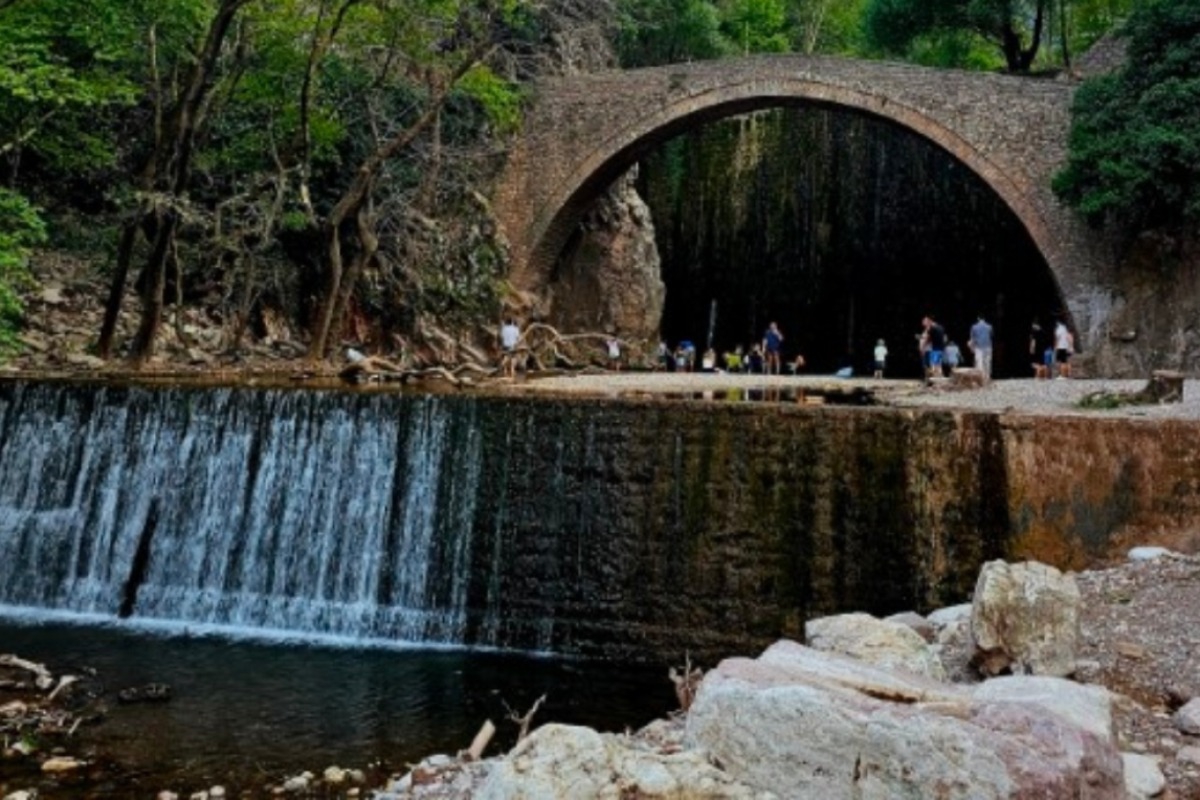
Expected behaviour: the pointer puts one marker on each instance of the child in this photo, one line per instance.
(880, 358)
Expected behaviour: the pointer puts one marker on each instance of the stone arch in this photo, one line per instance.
(555, 218)
(581, 132)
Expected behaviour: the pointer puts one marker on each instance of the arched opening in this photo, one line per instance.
(845, 227)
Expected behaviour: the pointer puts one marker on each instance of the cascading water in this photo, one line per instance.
(314, 513)
(623, 529)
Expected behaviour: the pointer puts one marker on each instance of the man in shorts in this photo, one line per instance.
(935, 341)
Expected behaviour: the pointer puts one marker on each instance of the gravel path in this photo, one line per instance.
(1019, 396)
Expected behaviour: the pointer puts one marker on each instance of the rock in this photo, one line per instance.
(1086, 707)
(613, 279)
(944, 617)
(806, 724)
(23, 747)
(298, 783)
(356, 776)
(334, 776)
(21, 794)
(166, 795)
(564, 761)
(1187, 718)
(1131, 650)
(1025, 617)
(52, 294)
(84, 360)
(62, 764)
(967, 378)
(198, 796)
(890, 645)
(1143, 778)
(1188, 755)
(217, 792)
(1148, 553)
(918, 623)
(13, 709)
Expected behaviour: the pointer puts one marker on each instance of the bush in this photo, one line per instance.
(1135, 137)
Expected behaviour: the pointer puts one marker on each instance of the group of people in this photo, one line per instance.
(1051, 349)
(765, 357)
(940, 355)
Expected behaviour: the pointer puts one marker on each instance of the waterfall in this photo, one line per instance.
(304, 512)
(619, 529)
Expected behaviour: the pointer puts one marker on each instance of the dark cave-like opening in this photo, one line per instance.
(844, 229)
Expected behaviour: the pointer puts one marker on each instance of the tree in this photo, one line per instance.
(1135, 135)
(164, 178)
(669, 32)
(449, 56)
(1016, 27)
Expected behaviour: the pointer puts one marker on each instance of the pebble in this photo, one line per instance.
(1187, 719)
(217, 792)
(1143, 778)
(1189, 755)
(1148, 553)
(62, 764)
(166, 795)
(21, 794)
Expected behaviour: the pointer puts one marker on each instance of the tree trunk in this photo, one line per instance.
(154, 283)
(116, 290)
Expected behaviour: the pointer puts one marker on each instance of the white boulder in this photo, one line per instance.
(1187, 718)
(890, 645)
(805, 724)
(564, 761)
(1025, 618)
(1143, 777)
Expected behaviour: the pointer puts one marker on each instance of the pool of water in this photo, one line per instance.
(246, 714)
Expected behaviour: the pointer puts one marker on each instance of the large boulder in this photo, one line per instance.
(806, 724)
(610, 280)
(886, 644)
(563, 761)
(1025, 618)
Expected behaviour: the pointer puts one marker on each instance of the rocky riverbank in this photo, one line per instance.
(1107, 697)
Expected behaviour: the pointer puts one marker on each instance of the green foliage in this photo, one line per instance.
(1135, 136)
(756, 26)
(669, 31)
(500, 99)
(20, 229)
(62, 61)
(1009, 26)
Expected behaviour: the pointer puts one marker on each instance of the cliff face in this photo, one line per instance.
(610, 280)
(1156, 308)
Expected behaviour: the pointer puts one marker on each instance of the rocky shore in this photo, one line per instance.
(1046, 685)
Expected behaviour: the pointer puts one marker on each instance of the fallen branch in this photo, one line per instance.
(525, 720)
(686, 682)
(480, 742)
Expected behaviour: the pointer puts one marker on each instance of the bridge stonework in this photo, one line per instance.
(583, 132)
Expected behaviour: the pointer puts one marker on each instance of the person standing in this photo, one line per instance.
(773, 346)
(881, 354)
(510, 337)
(935, 343)
(614, 353)
(1064, 346)
(951, 356)
(981, 346)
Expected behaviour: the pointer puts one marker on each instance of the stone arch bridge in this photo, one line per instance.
(583, 132)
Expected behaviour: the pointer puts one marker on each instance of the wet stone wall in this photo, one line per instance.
(620, 529)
